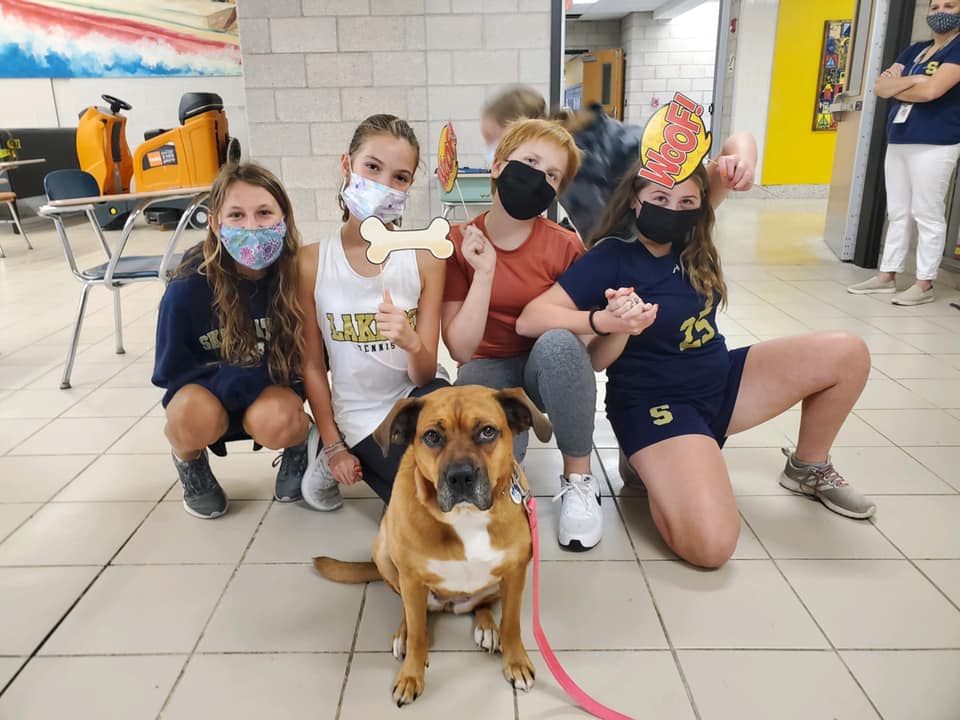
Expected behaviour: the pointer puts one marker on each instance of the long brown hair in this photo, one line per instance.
(381, 124)
(285, 316)
(699, 259)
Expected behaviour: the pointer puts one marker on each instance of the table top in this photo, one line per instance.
(12, 164)
(148, 195)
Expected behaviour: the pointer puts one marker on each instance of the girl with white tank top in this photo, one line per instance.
(375, 327)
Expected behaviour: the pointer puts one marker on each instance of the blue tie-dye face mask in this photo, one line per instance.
(255, 248)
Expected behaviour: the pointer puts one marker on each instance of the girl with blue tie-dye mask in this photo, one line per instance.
(229, 340)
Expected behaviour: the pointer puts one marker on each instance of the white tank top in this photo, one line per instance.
(368, 373)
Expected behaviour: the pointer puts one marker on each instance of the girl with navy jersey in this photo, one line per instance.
(229, 339)
(923, 135)
(674, 390)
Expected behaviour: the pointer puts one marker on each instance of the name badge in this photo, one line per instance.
(903, 113)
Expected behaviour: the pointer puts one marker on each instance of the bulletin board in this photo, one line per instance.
(832, 75)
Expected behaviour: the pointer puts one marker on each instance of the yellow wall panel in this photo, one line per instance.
(794, 153)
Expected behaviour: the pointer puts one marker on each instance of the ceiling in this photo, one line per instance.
(613, 9)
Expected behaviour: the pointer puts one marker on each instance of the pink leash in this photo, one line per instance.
(580, 697)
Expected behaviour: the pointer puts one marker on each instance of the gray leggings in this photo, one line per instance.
(557, 376)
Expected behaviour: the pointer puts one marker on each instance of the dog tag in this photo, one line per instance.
(516, 493)
(903, 113)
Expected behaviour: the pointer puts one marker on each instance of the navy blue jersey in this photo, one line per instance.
(682, 356)
(189, 341)
(930, 123)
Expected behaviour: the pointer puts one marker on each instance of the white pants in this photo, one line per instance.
(917, 178)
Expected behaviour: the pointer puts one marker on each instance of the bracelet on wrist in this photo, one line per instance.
(592, 325)
(334, 448)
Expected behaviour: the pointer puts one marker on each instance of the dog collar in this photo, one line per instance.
(518, 494)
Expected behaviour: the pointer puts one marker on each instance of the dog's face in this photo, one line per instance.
(463, 439)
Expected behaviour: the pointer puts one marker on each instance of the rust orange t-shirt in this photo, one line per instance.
(520, 276)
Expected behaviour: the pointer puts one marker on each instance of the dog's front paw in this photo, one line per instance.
(486, 634)
(519, 671)
(407, 687)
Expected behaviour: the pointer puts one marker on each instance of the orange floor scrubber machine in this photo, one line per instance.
(185, 156)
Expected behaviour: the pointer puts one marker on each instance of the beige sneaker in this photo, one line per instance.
(913, 295)
(873, 286)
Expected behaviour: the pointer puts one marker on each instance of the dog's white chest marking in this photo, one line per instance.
(472, 576)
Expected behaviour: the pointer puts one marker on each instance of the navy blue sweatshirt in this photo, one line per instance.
(188, 342)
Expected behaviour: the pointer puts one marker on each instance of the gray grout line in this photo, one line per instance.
(352, 653)
(213, 611)
(653, 599)
(83, 592)
(816, 622)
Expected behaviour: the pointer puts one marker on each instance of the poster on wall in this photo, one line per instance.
(833, 71)
(118, 38)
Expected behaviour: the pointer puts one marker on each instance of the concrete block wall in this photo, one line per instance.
(313, 69)
(592, 34)
(667, 56)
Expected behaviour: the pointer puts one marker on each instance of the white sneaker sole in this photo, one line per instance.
(910, 303)
(580, 542)
(191, 511)
(792, 485)
(878, 291)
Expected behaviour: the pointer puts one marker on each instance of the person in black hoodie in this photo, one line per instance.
(229, 340)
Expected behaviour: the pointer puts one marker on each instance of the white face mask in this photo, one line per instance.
(489, 154)
(366, 198)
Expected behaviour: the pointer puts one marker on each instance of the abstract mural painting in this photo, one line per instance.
(833, 71)
(118, 38)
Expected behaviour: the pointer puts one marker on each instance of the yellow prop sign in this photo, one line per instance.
(447, 167)
(675, 141)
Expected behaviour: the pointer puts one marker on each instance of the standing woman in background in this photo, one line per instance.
(923, 133)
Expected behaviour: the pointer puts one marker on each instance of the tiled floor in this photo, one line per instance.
(116, 604)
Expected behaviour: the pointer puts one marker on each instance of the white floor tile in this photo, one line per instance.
(141, 610)
(744, 604)
(908, 685)
(107, 688)
(755, 684)
(252, 687)
(854, 601)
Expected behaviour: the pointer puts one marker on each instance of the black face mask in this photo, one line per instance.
(664, 226)
(524, 191)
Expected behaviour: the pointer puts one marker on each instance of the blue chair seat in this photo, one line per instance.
(136, 267)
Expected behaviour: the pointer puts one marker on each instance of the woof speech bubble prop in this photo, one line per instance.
(447, 166)
(675, 141)
(383, 241)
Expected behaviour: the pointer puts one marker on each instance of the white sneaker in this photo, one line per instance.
(319, 488)
(581, 521)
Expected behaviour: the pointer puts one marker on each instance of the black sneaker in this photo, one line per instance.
(202, 495)
(293, 463)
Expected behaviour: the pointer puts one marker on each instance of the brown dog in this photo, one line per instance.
(455, 536)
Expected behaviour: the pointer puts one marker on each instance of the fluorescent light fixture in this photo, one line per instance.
(584, 2)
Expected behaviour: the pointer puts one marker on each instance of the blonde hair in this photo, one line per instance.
(524, 131)
(284, 314)
(380, 124)
(514, 103)
(699, 259)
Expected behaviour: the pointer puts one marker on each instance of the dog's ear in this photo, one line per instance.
(522, 414)
(400, 425)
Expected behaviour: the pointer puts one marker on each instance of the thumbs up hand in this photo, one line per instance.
(393, 324)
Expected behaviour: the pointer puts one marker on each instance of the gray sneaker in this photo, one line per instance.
(202, 495)
(319, 488)
(293, 463)
(825, 484)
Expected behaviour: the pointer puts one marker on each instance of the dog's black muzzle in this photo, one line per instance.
(463, 481)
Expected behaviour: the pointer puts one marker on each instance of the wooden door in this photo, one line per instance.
(603, 72)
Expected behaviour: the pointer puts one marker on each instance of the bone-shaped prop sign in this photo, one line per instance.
(383, 241)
